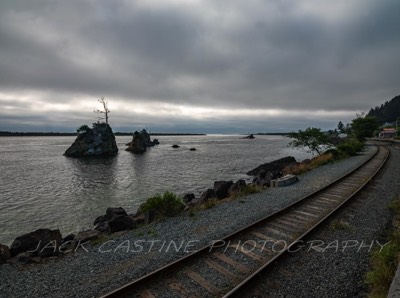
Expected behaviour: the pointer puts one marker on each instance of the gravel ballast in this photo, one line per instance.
(339, 267)
(96, 270)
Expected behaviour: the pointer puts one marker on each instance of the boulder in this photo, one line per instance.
(100, 219)
(96, 141)
(4, 253)
(221, 189)
(68, 238)
(42, 243)
(121, 223)
(175, 146)
(102, 223)
(113, 212)
(115, 220)
(237, 186)
(25, 258)
(261, 182)
(102, 227)
(87, 235)
(274, 166)
(187, 198)
(192, 149)
(208, 194)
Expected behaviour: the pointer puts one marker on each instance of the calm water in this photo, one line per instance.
(40, 188)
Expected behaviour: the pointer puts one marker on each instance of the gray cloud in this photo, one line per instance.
(224, 55)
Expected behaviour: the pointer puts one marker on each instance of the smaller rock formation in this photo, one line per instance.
(175, 146)
(115, 220)
(274, 166)
(237, 186)
(208, 194)
(192, 149)
(96, 141)
(251, 136)
(140, 141)
(221, 189)
(187, 198)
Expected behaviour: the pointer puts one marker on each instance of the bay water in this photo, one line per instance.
(41, 188)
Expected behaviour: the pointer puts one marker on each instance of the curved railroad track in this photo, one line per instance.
(237, 258)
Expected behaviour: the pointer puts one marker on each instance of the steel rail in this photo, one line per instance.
(143, 282)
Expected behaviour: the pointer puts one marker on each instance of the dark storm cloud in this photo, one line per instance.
(228, 55)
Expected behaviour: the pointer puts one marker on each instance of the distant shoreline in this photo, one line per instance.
(67, 134)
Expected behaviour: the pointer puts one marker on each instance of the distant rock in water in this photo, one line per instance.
(175, 146)
(141, 140)
(251, 136)
(96, 141)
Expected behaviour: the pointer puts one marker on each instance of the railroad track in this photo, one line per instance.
(237, 258)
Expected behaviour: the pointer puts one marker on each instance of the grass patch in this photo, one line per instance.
(316, 162)
(209, 203)
(384, 262)
(321, 160)
(166, 205)
(246, 190)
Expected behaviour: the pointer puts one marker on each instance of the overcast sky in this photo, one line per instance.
(223, 66)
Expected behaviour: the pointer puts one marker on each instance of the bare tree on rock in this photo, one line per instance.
(105, 110)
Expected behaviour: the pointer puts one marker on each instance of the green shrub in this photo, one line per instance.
(321, 160)
(165, 205)
(384, 265)
(83, 128)
(351, 147)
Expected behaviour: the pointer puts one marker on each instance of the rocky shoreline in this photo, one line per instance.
(34, 246)
(93, 269)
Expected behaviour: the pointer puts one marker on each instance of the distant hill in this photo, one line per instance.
(387, 112)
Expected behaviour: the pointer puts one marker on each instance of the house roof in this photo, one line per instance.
(388, 130)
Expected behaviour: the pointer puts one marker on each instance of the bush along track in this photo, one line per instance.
(384, 262)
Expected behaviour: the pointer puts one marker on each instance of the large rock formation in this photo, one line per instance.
(141, 140)
(96, 141)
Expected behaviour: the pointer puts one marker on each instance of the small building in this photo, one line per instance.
(387, 133)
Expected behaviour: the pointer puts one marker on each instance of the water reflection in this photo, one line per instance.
(94, 183)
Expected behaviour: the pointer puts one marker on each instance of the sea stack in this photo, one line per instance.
(140, 141)
(96, 141)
